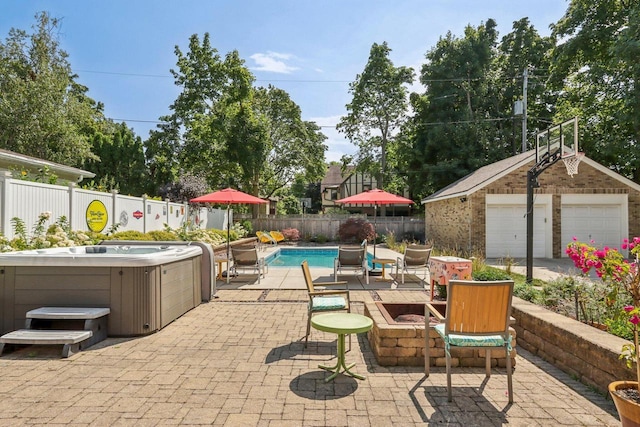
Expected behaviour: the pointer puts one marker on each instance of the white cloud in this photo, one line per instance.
(273, 62)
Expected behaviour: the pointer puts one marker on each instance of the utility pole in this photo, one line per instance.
(525, 78)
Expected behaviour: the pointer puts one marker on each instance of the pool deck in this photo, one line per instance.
(239, 360)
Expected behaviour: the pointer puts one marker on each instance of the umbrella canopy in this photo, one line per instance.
(229, 196)
(375, 197)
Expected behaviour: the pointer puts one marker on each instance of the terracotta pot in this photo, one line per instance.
(628, 411)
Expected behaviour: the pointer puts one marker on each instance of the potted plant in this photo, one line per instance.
(623, 280)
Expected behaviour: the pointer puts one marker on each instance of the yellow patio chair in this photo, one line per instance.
(477, 317)
(277, 236)
(265, 238)
(324, 300)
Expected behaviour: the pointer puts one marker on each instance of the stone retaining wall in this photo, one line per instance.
(584, 352)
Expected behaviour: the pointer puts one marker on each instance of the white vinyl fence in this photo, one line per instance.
(93, 210)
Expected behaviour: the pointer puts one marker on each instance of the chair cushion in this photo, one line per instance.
(327, 303)
(469, 340)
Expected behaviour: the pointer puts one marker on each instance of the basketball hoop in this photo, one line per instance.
(572, 162)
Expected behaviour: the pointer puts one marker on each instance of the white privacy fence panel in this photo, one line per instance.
(156, 214)
(129, 212)
(177, 214)
(84, 209)
(27, 200)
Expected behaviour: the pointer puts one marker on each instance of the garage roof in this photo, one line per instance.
(490, 173)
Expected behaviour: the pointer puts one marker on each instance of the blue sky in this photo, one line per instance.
(123, 50)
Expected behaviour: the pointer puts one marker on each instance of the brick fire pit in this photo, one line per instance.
(401, 343)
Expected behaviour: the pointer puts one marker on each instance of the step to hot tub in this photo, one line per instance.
(71, 340)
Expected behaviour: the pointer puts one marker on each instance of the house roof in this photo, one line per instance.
(11, 159)
(487, 174)
(334, 177)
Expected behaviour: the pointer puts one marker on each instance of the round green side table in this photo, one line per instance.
(341, 324)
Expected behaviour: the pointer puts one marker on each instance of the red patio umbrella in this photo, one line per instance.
(375, 197)
(229, 196)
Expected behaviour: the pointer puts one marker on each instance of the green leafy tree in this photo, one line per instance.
(377, 110)
(523, 48)
(233, 134)
(598, 71)
(452, 125)
(121, 159)
(43, 111)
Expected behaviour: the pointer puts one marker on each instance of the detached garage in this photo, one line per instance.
(484, 213)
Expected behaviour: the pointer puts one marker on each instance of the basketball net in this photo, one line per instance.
(572, 162)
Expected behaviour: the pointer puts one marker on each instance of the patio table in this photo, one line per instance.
(341, 324)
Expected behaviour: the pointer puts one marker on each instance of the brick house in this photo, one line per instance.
(485, 211)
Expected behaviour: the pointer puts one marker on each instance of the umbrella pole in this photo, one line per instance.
(228, 260)
(375, 232)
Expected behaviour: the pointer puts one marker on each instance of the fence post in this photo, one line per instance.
(71, 188)
(6, 189)
(114, 210)
(145, 213)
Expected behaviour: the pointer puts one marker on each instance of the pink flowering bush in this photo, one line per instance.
(623, 279)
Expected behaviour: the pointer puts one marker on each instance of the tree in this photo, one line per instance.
(225, 129)
(121, 159)
(524, 48)
(378, 109)
(453, 125)
(297, 146)
(43, 111)
(598, 71)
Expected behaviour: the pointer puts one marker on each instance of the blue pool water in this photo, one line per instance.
(316, 257)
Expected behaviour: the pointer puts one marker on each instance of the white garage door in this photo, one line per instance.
(506, 228)
(600, 223)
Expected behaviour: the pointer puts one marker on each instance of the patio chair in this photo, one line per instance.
(265, 239)
(477, 317)
(324, 300)
(415, 258)
(351, 258)
(246, 258)
(277, 236)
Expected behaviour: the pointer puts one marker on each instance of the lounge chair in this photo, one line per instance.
(265, 238)
(351, 258)
(246, 258)
(478, 317)
(415, 258)
(277, 236)
(324, 300)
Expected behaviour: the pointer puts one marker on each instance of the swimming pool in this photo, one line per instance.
(316, 257)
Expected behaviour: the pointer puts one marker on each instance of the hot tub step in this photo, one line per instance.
(70, 339)
(92, 319)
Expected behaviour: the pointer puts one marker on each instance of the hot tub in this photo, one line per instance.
(146, 287)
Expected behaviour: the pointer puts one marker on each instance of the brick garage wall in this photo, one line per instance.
(584, 352)
(447, 224)
(451, 223)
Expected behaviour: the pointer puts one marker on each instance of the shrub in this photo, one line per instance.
(356, 229)
(163, 235)
(491, 274)
(248, 226)
(291, 234)
(526, 292)
(131, 235)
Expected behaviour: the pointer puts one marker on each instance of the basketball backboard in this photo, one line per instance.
(562, 138)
